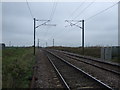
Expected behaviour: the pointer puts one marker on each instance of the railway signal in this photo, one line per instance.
(43, 24)
(74, 23)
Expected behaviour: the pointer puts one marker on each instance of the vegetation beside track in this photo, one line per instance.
(116, 59)
(17, 67)
(0, 68)
(89, 51)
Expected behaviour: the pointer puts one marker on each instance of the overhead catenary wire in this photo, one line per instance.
(101, 12)
(77, 8)
(29, 9)
(71, 13)
(84, 9)
(53, 10)
(52, 14)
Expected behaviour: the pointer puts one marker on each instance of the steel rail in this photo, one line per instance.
(93, 59)
(60, 75)
(100, 82)
(113, 71)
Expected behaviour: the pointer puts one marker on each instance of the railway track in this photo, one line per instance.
(73, 77)
(113, 68)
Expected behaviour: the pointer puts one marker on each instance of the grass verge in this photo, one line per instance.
(89, 51)
(17, 67)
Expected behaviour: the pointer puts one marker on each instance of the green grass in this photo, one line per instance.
(17, 67)
(116, 59)
(89, 51)
(0, 68)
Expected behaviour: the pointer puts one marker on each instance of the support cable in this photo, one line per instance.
(78, 8)
(29, 9)
(101, 12)
(84, 9)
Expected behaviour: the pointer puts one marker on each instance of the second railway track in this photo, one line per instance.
(74, 77)
(113, 68)
(104, 73)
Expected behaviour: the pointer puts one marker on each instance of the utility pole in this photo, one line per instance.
(34, 34)
(53, 42)
(74, 23)
(43, 24)
(46, 44)
(83, 36)
(119, 30)
(38, 43)
(9, 43)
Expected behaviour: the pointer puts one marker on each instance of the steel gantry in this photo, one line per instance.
(74, 23)
(43, 24)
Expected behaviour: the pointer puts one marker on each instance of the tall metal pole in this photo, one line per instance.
(83, 37)
(118, 30)
(34, 36)
(9, 43)
(75, 24)
(38, 43)
(53, 42)
(46, 44)
(39, 26)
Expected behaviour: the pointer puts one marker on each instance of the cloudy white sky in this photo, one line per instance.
(17, 23)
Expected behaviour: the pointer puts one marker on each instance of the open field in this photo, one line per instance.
(17, 67)
(89, 51)
(0, 68)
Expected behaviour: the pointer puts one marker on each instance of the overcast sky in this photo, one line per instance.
(17, 23)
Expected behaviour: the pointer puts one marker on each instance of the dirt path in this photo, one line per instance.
(45, 73)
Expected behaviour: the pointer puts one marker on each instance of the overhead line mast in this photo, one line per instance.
(43, 24)
(81, 27)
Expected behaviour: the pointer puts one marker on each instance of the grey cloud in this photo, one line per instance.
(18, 24)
